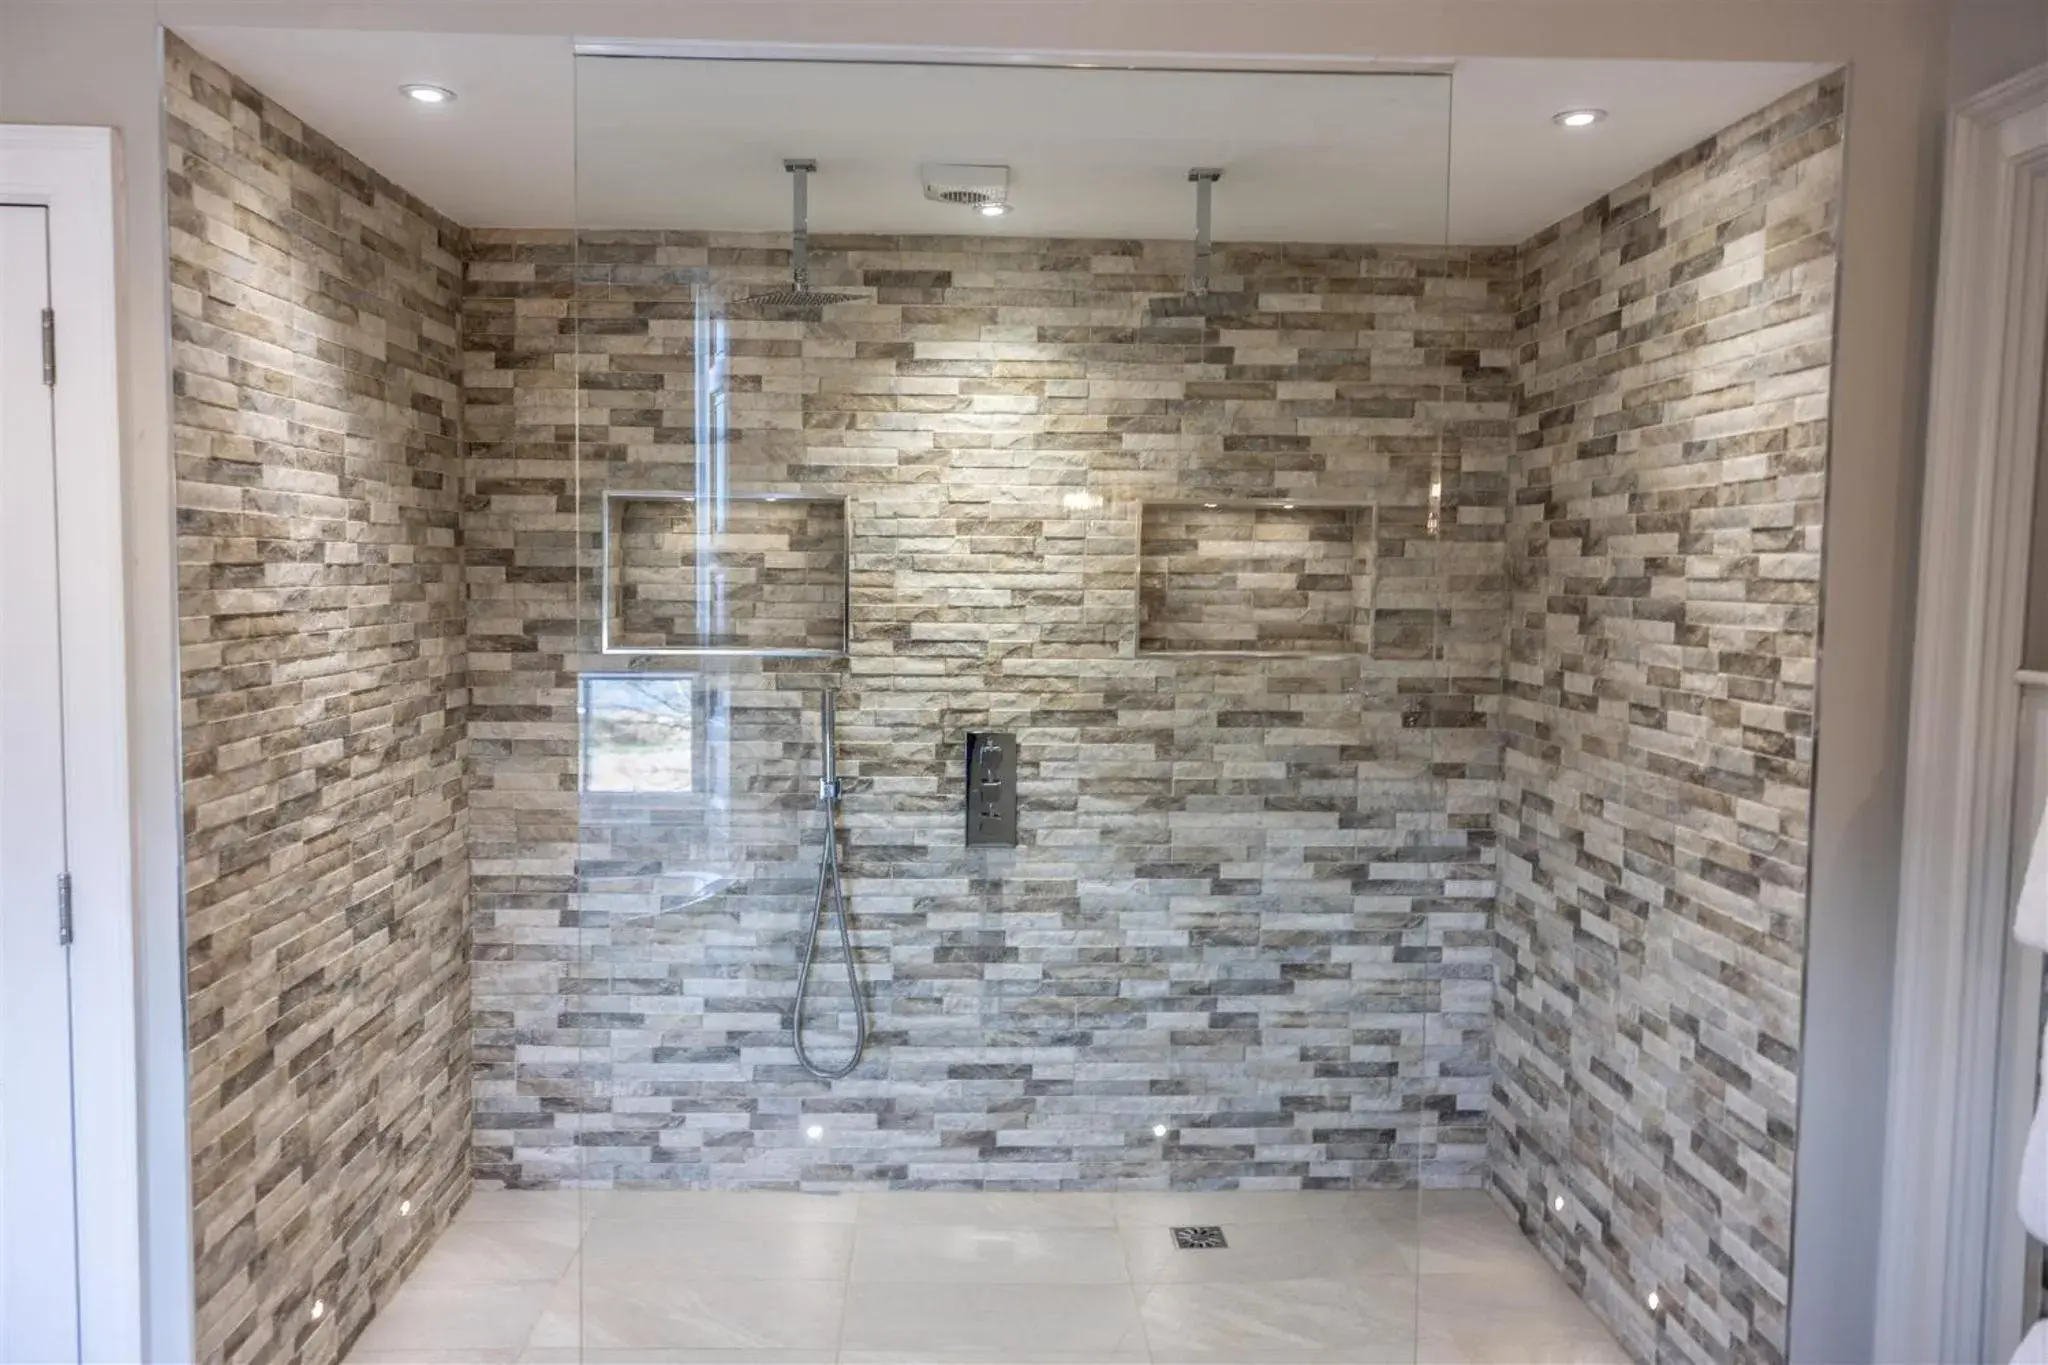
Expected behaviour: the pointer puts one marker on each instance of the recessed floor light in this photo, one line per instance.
(1578, 118)
(428, 94)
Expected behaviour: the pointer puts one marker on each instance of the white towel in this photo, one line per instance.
(2030, 921)
(2034, 1165)
(2034, 1350)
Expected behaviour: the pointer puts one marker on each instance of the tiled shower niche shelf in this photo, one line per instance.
(1266, 578)
(767, 578)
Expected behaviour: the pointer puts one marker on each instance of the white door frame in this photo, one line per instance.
(1948, 1240)
(73, 172)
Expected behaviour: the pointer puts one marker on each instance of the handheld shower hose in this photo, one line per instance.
(828, 878)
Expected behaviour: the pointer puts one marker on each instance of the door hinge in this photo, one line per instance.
(50, 347)
(64, 908)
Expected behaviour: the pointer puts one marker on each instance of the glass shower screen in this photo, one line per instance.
(1146, 417)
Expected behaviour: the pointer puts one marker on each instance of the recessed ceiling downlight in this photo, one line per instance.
(993, 210)
(428, 94)
(1578, 118)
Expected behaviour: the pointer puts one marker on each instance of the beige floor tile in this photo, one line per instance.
(1168, 1208)
(723, 1206)
(1287, 1355)
(1442, 1345)
(702, 1314)
(1511, 1316)
(1444, 1203)
(1529, 1298)
(674, 1355)
(997, 1278)
(921, 1320)
(1465, 1232)
(652, 1249)
(1021, 1356)
(1327, 1249)
(994, 1208)
(481, 1252)
(501, 1206)
(1373, 1320)
(451, 1316)
(918, 1253)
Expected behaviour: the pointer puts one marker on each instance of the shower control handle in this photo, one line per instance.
(991, 788)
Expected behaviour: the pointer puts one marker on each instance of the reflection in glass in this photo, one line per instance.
(639, 734)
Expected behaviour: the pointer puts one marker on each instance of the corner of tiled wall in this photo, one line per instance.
(323, 667)
(1674, 342)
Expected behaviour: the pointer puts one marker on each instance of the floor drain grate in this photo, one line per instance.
(1199, 1239)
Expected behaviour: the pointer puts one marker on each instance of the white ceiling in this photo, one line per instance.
(1325, 158)
(541, 138)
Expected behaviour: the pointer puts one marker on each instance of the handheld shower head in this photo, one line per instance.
(831, 893)
(828, 747)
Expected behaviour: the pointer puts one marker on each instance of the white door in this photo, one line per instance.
(39, 1318)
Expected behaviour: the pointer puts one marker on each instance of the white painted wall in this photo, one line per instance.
(1991, 40)
(94, 61)
(97, 63)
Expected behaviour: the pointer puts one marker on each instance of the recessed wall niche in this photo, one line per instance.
(1254, 577)
(752, 573)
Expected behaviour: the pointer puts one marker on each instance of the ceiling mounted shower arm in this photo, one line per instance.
(797, 299)
(800, 170)
(1204, 178)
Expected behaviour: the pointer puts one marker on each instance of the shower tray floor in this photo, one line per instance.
(770, 1278)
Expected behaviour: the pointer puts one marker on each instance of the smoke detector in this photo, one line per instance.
(967, 186)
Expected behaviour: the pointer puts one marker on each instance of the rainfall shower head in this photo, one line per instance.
(1196, 300)
(799, 298)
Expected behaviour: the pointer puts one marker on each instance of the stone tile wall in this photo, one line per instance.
(321, 618)
(738, 574)
(1263, 579)
(1673, 348)
(1251, 897)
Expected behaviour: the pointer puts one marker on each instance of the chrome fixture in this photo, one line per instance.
(1196, 300)
(991, 788)
(799, 298)
(828, 879)
(1204, 178)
